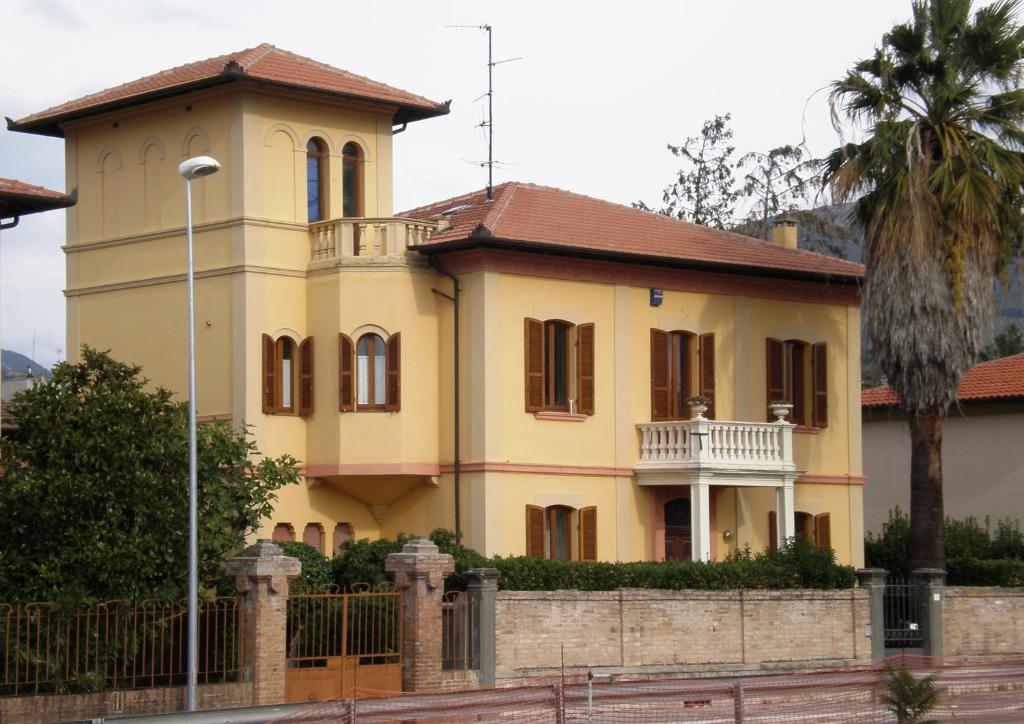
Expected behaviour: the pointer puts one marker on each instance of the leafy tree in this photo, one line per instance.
(937, 181)
(94, 488)
(1008, 342)
(776, 181)
(703, 192)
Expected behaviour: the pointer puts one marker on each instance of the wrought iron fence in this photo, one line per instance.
(46, 648)
(364, 624)
(460, 631)
(902, 602)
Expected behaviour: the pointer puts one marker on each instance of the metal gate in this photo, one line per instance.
(343, 645)
(460, 632)
(903, 607)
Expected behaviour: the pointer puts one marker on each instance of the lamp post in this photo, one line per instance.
(191, 169)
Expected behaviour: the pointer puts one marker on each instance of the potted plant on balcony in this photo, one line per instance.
(698, 406)
(780, 408)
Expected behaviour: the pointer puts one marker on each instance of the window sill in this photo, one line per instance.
(807, 429)
(564, 416)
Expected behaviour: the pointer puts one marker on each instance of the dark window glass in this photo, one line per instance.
(351, 181)
(558, 546)
(556, 365)
(314, 179)
(677, 512)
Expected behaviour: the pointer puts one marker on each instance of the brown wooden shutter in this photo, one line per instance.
(588, 533)
(823, 532)
(776, 373)
(394, 367)
(706, 365)
(269, 374)
(306, 377)
(819, 374)
(773, 531)
(534, 365)
(534, 531)
(346, 374)
(659, 376)
(585, 368)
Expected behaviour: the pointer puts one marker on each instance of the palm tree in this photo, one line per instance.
(937, 179)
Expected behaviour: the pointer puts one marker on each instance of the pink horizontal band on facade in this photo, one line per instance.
(832, 479)
(219, 417)
(326, 471)
(540, 468)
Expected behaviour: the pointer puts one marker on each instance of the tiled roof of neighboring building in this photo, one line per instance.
(18, 198)
(993, 380)
(265, 63)
(549, 218)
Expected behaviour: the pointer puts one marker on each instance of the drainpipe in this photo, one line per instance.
(457, 468)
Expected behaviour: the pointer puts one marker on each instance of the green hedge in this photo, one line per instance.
(796, 565)
(991, 572)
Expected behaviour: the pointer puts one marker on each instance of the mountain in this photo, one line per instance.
(14, 362)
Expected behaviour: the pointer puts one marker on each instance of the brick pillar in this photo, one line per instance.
(483, 588)
(932, 583)
(873, 581)
(262, 574)
(419, 575)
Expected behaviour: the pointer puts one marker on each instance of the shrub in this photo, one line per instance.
(316, 576)
(889, 549)
(992, 572)
(966, 539)
(1008, 540)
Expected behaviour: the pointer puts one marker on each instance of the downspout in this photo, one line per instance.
(457, 462)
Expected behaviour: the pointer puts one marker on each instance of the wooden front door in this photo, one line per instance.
(678, 538)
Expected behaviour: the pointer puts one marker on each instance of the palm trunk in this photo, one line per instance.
(927, 521)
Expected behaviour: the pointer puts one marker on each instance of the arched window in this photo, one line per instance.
(342, 532)
(549, 532)
(371, 371)
(313, 535)
(283, 533)
(351, 180)
(286, 369)
(316, 179)
(283, 362)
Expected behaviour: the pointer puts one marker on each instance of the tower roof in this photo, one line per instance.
(265, 64)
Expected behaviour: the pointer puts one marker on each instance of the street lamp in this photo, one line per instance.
(191, 169)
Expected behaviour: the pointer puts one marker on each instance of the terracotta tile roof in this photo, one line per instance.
(993, 380)
(541, 216)
(265, 63)
(18, 198)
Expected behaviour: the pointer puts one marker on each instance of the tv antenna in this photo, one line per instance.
(488, 123)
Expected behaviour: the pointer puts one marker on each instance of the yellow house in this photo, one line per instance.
(514, 363)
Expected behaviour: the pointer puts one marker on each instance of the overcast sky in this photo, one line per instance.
(599, 91)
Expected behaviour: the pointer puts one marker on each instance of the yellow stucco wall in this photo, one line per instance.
(389, 472)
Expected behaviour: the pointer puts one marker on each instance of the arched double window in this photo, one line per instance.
(316, 179)
(287, 376)
(351, 180)
(370, 372)
(550, 532)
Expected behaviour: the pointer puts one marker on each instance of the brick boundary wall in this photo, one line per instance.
(654, 633)
(163, 700)
(982, 621)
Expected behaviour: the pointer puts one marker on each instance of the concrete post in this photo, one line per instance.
(932, 583)
(262, 575)
(419, 572)
(873, 581)
(483, 590)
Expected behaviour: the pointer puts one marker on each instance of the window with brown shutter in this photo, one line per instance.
(306, 377)
(706, 366)
(776, 373)
(588, 533)
(346, 374)
(585, 368)
(773, 531)
(659, 376)
(534, 531)
(534, 367)
(394, 367)
(819, 375)
(796, 380)
(269, 374)
(823, 532)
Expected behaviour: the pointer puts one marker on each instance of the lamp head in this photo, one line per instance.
(198, 167)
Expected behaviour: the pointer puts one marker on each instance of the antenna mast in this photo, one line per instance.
(489, 123)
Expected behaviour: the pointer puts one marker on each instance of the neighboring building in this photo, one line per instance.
(326, 324)
(982, 447)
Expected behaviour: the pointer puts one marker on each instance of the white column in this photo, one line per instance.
(700, 521)
(785, 517)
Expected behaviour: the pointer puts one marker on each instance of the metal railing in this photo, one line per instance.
(366, 625)
(337, 238)
(47, 649)
(693, 443)
(460, 632)
(902, 604)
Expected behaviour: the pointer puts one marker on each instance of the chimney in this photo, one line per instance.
(784, 230)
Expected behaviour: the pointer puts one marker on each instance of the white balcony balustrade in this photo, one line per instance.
(367, 237)
(716, 444)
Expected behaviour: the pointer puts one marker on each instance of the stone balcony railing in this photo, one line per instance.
(716, 444)
(367, 237)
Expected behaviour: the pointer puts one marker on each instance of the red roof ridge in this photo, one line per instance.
(500, 203)
(261, 51)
